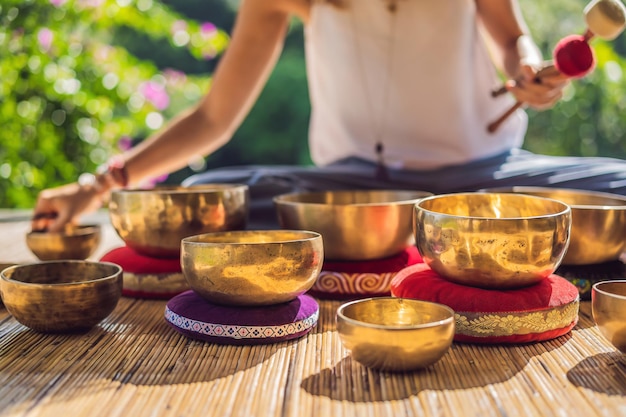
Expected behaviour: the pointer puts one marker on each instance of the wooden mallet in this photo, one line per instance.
(573, 55)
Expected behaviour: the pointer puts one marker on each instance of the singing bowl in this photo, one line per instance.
(154, 221)
(75, 242)
(492, 240)
(355, 225)
(252, 268)
(608, 306)
(598, 223)
(61, 296)
(395, 334)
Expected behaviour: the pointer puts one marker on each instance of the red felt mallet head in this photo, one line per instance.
(573, 56)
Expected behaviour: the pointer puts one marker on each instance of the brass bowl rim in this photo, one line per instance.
(280, 199)
(118, 270)
(179, 189)
(355, 322)
(78, 230)
(600, 194)
(195, 239)
(566, 208)
(596, 287)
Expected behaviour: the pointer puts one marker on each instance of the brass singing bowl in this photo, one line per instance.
(395, 334)
(61, 296)
(492, 240)
(598, 223)
(154, 221)
(75, 242)
(252, 268)
(355, 225)
(608, 306)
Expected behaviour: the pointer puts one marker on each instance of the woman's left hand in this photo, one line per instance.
(537, 93)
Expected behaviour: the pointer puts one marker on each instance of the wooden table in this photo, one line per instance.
(134, 364)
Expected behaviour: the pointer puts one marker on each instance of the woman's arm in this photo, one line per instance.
(255, 46)
(517, 54)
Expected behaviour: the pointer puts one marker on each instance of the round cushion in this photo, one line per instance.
(340, 280)
(197, 318)
(148, 277)
(543, 311)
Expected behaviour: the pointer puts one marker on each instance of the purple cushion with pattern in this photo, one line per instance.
(200, 319)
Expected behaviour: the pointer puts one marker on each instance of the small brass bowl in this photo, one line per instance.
(154, 221)
(492, 240)
(61, 296)
(608, 306)
(252, 268)
(598, 223)
(355, 225)
(395, 334)
(75, 242)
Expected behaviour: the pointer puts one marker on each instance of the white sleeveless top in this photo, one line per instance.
(432, 112)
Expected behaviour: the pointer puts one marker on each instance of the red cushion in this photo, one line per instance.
(342, 280)
(539, 312)
(148, 277)
(132, 261)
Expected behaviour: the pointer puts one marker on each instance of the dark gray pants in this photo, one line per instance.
(515, 168)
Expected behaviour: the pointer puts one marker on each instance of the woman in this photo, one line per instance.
(400, 95)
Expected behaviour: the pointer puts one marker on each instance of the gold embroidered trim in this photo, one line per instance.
(512, 323)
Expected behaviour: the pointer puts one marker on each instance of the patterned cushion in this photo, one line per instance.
(148, 277)
(539, 312)
(341, 280)
(197, 318)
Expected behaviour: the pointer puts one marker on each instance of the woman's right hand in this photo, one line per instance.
(61, 206)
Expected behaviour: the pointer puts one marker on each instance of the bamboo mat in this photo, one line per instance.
(134, 364)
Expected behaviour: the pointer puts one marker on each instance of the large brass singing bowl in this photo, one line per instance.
(61, 296)
(154, 221)
(598, 223)
(492, 240)
(608, 306)
(355, 225)
(251, 268)
(77, 242)
(395, 334)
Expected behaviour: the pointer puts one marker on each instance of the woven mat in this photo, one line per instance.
(134, 364)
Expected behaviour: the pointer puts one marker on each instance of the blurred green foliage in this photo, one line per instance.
(80, 78)
(590, 120)
(68, 95)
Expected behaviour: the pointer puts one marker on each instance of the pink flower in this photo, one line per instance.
(124, 143)
(179, 25)
(91, 3)
(209, 52)
(58, 3)
(155, 93)
(208, 29)
(174, 77)
(45, 37)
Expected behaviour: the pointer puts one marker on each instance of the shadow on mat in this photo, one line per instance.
(123, 349)
(604, 372)
(464, 366)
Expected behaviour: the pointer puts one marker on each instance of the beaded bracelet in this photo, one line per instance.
(111, 175)
(115, 173)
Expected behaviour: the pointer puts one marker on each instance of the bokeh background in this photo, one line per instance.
(81, 80)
